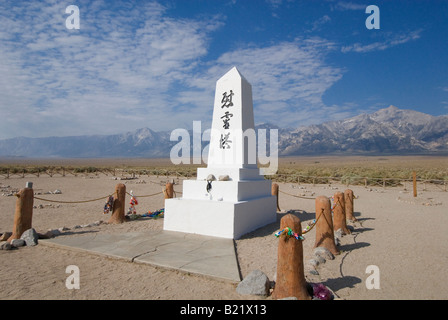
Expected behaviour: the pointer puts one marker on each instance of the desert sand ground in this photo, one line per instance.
(405, 237)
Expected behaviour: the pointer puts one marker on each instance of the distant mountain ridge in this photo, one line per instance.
(140, 143)
(387, 131)
(390, 130)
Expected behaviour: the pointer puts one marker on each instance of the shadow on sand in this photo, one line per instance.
(357, 228)
(304, 217)
(337, 284)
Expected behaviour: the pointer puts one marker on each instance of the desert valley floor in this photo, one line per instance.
(404, 236)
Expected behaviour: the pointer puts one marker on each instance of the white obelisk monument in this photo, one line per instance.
(229, 197)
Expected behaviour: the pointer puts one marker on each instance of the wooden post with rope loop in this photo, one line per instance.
(339, 219)
(119, 203)
(23, 214)
(274, 192)
(324, 225)
(348, 198)
(169, 190)
(290, 271)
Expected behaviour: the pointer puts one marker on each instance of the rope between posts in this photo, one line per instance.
(313, 223)
(96, 199)
(289, 232)
(82, 201)
(145, 196)
(292, 195)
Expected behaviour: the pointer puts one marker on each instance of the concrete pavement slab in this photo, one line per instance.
(205, 255)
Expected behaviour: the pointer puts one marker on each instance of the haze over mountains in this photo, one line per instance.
(387, 131)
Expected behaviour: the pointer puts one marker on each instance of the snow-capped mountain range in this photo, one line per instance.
(387, 131)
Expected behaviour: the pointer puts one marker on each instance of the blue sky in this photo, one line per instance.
(135, 64)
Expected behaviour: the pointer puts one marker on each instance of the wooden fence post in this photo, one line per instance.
(119, 203)
(414, 182)
(290, 271)
(348, 199)
(23, 215)
(274, 192)
(169, 190)
(324, 225)
(339, 217)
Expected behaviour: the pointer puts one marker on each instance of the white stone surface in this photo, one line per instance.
(230, 191)
(239, 155)
(218, 218)
(242, 204)
(233, 173)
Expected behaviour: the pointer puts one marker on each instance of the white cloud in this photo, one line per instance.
(288, 79)
(125, 60)
(383, 45)
(274, 3)
(320, 22)
(343, 5)
(132, 66)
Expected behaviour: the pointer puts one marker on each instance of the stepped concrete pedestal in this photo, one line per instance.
(241, 203)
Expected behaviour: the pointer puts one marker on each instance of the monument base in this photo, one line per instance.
(234, 174)
(228, 191)
(219, 218)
